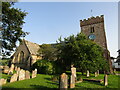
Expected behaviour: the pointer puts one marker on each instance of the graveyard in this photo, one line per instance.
(76, 61)
(74, 80)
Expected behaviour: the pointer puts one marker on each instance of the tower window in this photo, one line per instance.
(92, 30)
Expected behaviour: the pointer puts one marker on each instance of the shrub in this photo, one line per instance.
(43, 66)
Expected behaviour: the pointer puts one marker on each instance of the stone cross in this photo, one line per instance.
(105, 80)
(14, 78)
(2, 81)
(6, 69)
(34, 73)
(27, 75)
(72, 81)
(63, 81)
(88, 74)
(21, 75)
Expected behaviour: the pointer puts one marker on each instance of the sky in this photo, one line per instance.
(47, 21)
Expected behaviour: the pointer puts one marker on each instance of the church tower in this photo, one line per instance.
(94, 29)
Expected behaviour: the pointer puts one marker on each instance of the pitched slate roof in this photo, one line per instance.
(32, 47)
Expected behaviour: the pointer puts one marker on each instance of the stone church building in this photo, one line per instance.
(26, 54)
(93, 28)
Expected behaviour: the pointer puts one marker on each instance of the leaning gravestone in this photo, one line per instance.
(27, 75)
(15, 68)
(88, 74)
(63, 81)
(34, 73)
(2, 81)
(96, 74)
(21, 75)
(11, 69)
(14, 78)
(105, 80)
(72, 81)
(18, 70)
(6, 69)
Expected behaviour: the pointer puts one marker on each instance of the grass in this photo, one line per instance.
(41, 81)
(44, 81)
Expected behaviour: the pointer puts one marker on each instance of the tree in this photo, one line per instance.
(12, 22)
(48, 52)
(82, 52)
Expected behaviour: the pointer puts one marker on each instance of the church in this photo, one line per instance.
(26, 54)
(93, 28)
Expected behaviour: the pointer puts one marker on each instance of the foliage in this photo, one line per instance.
(12, 22)
(44, 66)
(82, 52)
(4, 62)
(48, 52)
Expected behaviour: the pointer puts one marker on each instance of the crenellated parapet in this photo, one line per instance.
(92, 20)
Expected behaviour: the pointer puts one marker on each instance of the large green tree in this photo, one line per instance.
(82, 52)
(48, 52)
(12, 22)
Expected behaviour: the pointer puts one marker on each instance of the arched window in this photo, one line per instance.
(21, 57)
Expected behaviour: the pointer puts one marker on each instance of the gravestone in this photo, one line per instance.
(18, 70)
(73, 72)
(105, 80)
(27, 75)
(63, 81)
(6, 69)
(21, 75)
(11, 69)
(15, 68)
(2, 81)
(1, 67)
(72, 81)
(88, 74)
(34, 73)
(14, 78)
(96, 74)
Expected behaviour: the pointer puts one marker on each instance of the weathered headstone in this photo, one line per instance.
(15, 68)
(1, 67)
(18, 70)
(72, 81)
(27, 75)
(34, 73)
(21, 75)
(14, 78)
(6, 69)
(2, 81)
(105, 80)
(63, 81)
(11, 69)
(88, 74)
(73, 72)
(96, 74)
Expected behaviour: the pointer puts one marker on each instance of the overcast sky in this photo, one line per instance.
(46, 22)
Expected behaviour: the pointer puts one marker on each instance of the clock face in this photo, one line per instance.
(92, 36)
